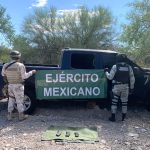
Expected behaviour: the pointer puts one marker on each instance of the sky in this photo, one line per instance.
(19, 9)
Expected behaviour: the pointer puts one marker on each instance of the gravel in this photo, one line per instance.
(132, 134)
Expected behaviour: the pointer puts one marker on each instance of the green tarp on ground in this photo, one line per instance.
(84, 134)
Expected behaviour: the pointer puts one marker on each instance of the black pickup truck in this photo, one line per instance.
(87, 59)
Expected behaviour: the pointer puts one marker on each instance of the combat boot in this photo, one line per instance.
(112, 118)
(22, 116)
(9, 116)
(123, 116)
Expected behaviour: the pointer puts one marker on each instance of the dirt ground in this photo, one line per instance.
(132, 134)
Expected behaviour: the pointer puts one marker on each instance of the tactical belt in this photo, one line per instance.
(118, 83)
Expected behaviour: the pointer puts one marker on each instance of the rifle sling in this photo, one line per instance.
(10, 65)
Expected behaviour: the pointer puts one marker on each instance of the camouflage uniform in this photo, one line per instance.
(120, 90)
(15, 74)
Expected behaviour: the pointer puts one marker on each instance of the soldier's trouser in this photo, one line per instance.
(120, 91)
(16, 94)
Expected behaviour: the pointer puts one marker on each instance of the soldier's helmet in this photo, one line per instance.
(15, 54)
(121, 58)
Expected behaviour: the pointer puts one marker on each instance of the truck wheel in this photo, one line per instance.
(29, 103)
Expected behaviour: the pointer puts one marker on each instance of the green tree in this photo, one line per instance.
(136, 34)
(41, 31)
(6, 28)
(21, 44)
(48, 31)
(87, 28)
(4, 54)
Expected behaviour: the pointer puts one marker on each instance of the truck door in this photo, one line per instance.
(140, 89)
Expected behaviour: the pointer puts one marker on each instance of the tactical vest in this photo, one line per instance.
(122, 73)
(13, 74)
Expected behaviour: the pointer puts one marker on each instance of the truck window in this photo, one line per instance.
(109, 60)
(82, 61)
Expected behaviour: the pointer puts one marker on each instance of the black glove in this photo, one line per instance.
(106, 69)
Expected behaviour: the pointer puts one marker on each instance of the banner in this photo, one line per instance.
(70, 84)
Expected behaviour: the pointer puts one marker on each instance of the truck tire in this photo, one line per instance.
(29, 102)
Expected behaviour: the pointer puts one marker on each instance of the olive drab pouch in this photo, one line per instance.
(67, 134)
(58, 133)
(76, 134)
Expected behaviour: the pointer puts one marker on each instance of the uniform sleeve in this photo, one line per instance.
(24, 74)
(112, 73)
(132, 78)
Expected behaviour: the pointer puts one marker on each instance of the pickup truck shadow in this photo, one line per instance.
(71, 105)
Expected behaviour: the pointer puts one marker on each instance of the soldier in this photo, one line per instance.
(123, 80)
(15, 74)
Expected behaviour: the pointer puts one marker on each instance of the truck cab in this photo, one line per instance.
(87, 58)
(100, 59)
